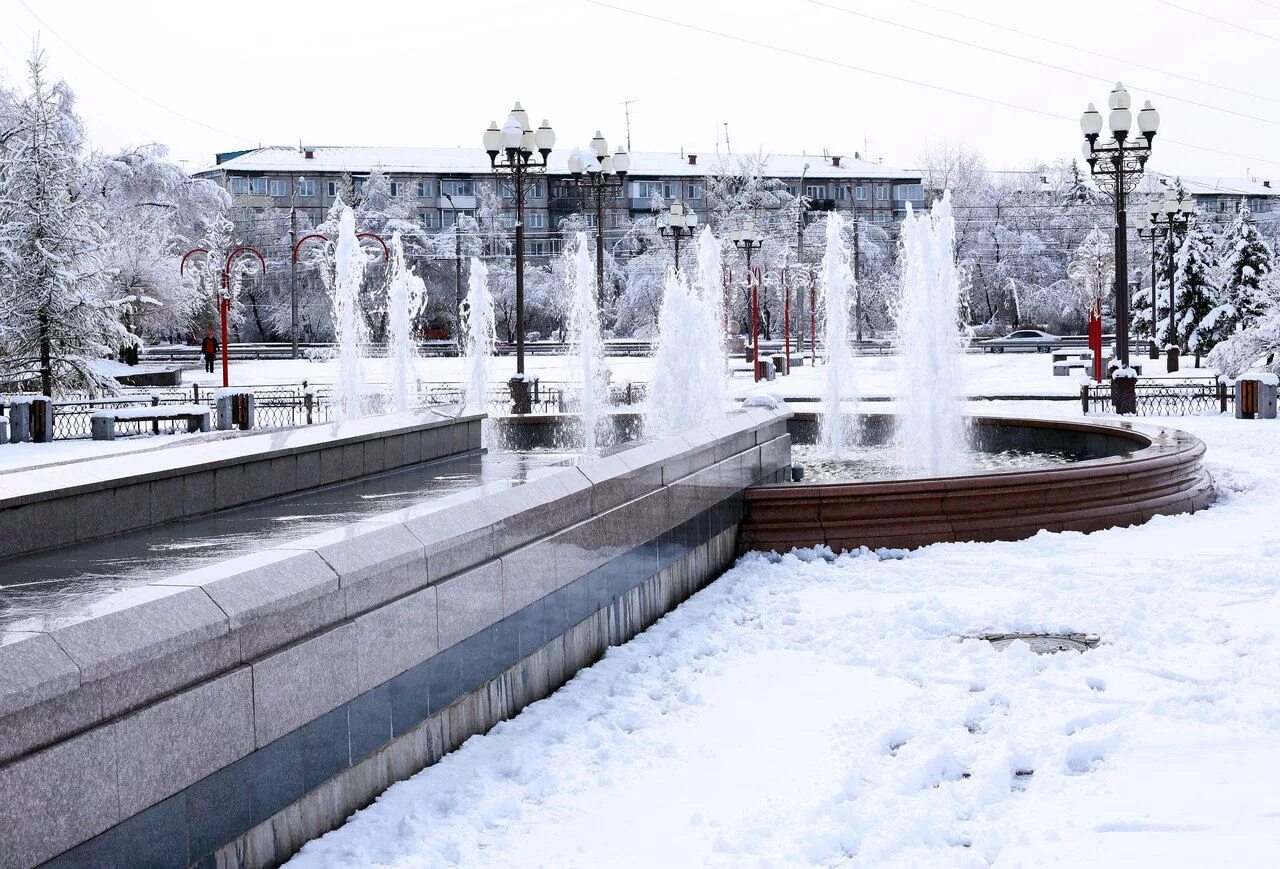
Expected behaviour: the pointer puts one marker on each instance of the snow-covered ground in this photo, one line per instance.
(813, 709)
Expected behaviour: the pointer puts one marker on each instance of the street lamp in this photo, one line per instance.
(748, 239)
(1120, 160)
(676, 223)
(457, 269)
(511, 149)
(1167, 218)
(598, 178)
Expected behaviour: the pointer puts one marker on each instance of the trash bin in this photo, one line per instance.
(1256, 396)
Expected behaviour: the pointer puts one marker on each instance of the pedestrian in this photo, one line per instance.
(210, 350)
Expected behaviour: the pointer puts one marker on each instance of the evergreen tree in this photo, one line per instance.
(1247, 264)
(1197, 291)
(54, 289)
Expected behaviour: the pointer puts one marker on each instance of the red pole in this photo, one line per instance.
(786, 321)
(813, 318)
(223, 304)
(755, 320)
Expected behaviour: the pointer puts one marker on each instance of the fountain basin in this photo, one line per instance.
(1124, 475)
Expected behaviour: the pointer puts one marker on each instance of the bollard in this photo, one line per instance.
(41, 420)
(1171, 358)
(235, 409)
(521, 395)
(1124, 391)
(4, 430)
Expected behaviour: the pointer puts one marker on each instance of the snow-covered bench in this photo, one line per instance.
(1064, 369)
(1068, 355)
(103, 422)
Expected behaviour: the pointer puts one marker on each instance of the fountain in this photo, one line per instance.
(481, 335)
(585, 340)
(347, 324)
(406, 294)
(931, 429)
(836, 283)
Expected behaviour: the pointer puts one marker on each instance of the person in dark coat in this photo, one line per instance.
(210, 350)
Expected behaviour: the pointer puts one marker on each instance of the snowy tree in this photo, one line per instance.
(54, 285)
(1197, 289)
(1248, 289)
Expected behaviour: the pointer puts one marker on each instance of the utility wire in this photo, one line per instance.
(124, 84)
(892, 77)
(1032, 60)
(1224, 21)
(1110, 57)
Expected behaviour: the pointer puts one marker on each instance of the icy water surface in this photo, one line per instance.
(882, 462)
(41, 590)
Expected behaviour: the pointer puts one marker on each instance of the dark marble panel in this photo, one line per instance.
(326, 747)
(369, 718)
(217, 810)
(410, 697)
(274, 774)
(444, 678)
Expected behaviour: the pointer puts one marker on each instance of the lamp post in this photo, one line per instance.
(457, 270)
(598, 178)
(1167, 218)
(676, 223)
(224, 294)
(748, 239)
(1120, 161)
(1147, 232)
(512, 149)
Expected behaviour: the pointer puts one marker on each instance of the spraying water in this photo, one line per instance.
(347, 324)
(585, 338)
(406, 294)
(481, 334)
(836, 285)
(930, 387)
(711, 286)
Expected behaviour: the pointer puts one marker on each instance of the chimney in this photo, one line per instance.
(835, 160)
(1266, 183)
(309, 153)
(693, 159)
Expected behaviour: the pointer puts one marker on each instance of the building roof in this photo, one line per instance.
(1208, 185)
(474, 161)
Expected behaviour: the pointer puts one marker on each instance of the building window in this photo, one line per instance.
(331, 188)
(860, 193)
(449, 216)
(536, 190)
(239, 185)
(840, 193)
(882, 217)
(645, 189)
(590, 220)
(670, 191)
(695, 190)
(423, 189)
(537, 220)
(258, 186)
(357, 185)
(792, 190)
(882, 192)
(306, 187)
(458, 187)
(397, 187)
(507, 221)
(816, 191)
(430, 219)
(908, 191)
(278, 187)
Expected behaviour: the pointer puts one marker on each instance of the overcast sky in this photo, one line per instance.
(787, 76)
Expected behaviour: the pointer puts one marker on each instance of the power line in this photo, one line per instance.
(1110, 57)
(892, 77)
(1032, 60)
(1219, 20)
(124, 84)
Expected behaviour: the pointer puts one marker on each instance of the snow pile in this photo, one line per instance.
(231, 391)
(828, 711)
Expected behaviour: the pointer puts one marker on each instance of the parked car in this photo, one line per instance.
(1022, 341)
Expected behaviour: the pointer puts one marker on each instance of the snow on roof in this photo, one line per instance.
(474, 161)
(1208, 185)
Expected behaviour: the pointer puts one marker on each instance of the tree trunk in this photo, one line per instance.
(46, 356)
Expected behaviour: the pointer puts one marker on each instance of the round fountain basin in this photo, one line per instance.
(1099, 476)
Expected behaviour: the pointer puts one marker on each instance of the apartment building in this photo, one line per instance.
(443, 183)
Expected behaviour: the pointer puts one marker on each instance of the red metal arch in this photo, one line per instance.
(307, 237)
(182, 267)
(231, 256)
(386, 254)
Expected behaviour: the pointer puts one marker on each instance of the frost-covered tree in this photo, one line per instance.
(1247, 280)
(1197, 290)
(153, 212)
(55, 289)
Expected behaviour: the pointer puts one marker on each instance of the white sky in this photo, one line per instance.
(435, 73)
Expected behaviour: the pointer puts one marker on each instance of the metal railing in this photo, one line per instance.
(1158, 397)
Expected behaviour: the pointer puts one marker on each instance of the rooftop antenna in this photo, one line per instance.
(727, 147)
(626, 109)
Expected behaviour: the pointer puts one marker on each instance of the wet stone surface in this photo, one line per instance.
(881, 462)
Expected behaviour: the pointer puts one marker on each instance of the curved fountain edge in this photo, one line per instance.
(1164, 475)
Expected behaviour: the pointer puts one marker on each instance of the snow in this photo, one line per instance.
(231, 391)
(149, 412)
(1262, 377)
(810, 709)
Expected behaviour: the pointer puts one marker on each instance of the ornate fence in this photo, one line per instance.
(1165, 397)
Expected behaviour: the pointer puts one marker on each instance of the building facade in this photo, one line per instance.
(441, 184)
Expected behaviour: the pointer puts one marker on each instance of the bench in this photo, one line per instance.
(1067, 355)
(1064, 369)
(103, 422)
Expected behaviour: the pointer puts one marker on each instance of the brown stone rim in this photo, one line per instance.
(1163, 475)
